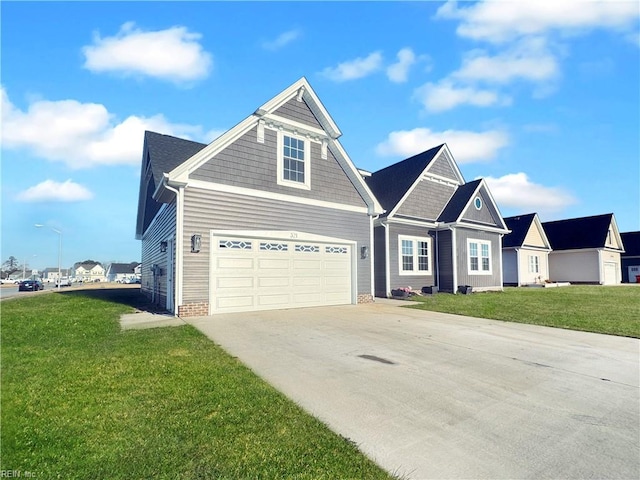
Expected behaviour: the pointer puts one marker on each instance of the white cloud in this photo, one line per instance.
(399, 71)
(516, 190)
(173, 54)
(354, 69)
(529, 59)
(504, 21)
(466, 147)
(83, 135)
(445, 95)
(282, 40)
(52, 191)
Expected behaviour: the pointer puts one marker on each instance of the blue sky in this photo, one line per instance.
(540, 98)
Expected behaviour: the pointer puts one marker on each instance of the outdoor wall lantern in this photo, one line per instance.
(196, 242)
(364, 252)
(163, 246)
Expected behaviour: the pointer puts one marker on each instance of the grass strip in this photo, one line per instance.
(613, 310)
(83, 400)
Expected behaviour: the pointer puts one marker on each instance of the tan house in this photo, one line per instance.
(89, 271)
(525, 251)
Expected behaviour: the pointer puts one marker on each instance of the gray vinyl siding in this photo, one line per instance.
(442, 166)
(380, 284)
(464, 278)
(426, 201)
(249, 164)
(299, 112)
(486, 215)
(415, 281)
(206, 210)
(445, 261)
(162, 228)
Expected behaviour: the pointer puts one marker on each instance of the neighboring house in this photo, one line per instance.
(525, 251)
(585, 250)
(631, 257)
(118, 272)
(438, 230)
(89, 271)
(272, 214)
(50, 274)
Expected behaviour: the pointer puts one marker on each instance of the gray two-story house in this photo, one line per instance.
(437, 229)
(272, 214)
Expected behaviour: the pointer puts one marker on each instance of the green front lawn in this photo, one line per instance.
(81, 399)
(613, 310)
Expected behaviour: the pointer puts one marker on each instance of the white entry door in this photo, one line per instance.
(610, 273)
(253, 273)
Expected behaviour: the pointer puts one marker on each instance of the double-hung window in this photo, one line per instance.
(479, 257)
(415, 255)
(293, 161)
(534, 264)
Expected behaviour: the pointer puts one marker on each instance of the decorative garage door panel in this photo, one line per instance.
(262, 274)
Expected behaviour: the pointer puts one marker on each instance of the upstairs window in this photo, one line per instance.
(293, 161)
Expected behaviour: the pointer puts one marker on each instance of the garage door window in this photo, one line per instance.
(307, 248)
(235, 244)
(274, 247)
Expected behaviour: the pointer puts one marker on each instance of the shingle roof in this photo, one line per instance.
(167, 152)
(391, 183)
(631, 242)
(458, 201)
(116, 268)
(519, 226)
(583, 232)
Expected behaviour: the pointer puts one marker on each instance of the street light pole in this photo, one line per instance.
(37, 225)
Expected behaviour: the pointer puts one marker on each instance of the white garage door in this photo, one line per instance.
(610, 273)
(250, 274)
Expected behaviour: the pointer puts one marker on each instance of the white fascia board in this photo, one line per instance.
(475, 226)
(276, 122)
(543, 234)
(415, 184)
(182, 171)
(250, 192)
(616, 232)
(495, 205)
(354, 175)
(312, 100)
(417, 223)
(503, 226)
(453, 163)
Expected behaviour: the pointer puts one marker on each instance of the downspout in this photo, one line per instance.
(177, 285)
(372, 256)
(454, 258)
(387, 270)
(437, 259)
(501, 264)
(517, 267)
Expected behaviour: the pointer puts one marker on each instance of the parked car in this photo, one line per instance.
(32, 284)
(64, 282)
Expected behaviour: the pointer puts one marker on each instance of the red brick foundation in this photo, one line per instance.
(193, 309)
(365, 298)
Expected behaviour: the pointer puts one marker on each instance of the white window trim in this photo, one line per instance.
(534, 265)
(415, 241)
(307, 164)
(479, 271)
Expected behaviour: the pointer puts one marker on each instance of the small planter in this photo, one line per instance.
(399, 294)
(430, 290)
(465, 289)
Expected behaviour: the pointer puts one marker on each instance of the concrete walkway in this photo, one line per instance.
(430, 395)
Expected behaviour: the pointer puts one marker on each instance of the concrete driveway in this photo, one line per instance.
(430, 395)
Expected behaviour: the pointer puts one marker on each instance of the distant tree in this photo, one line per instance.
(10, 267)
